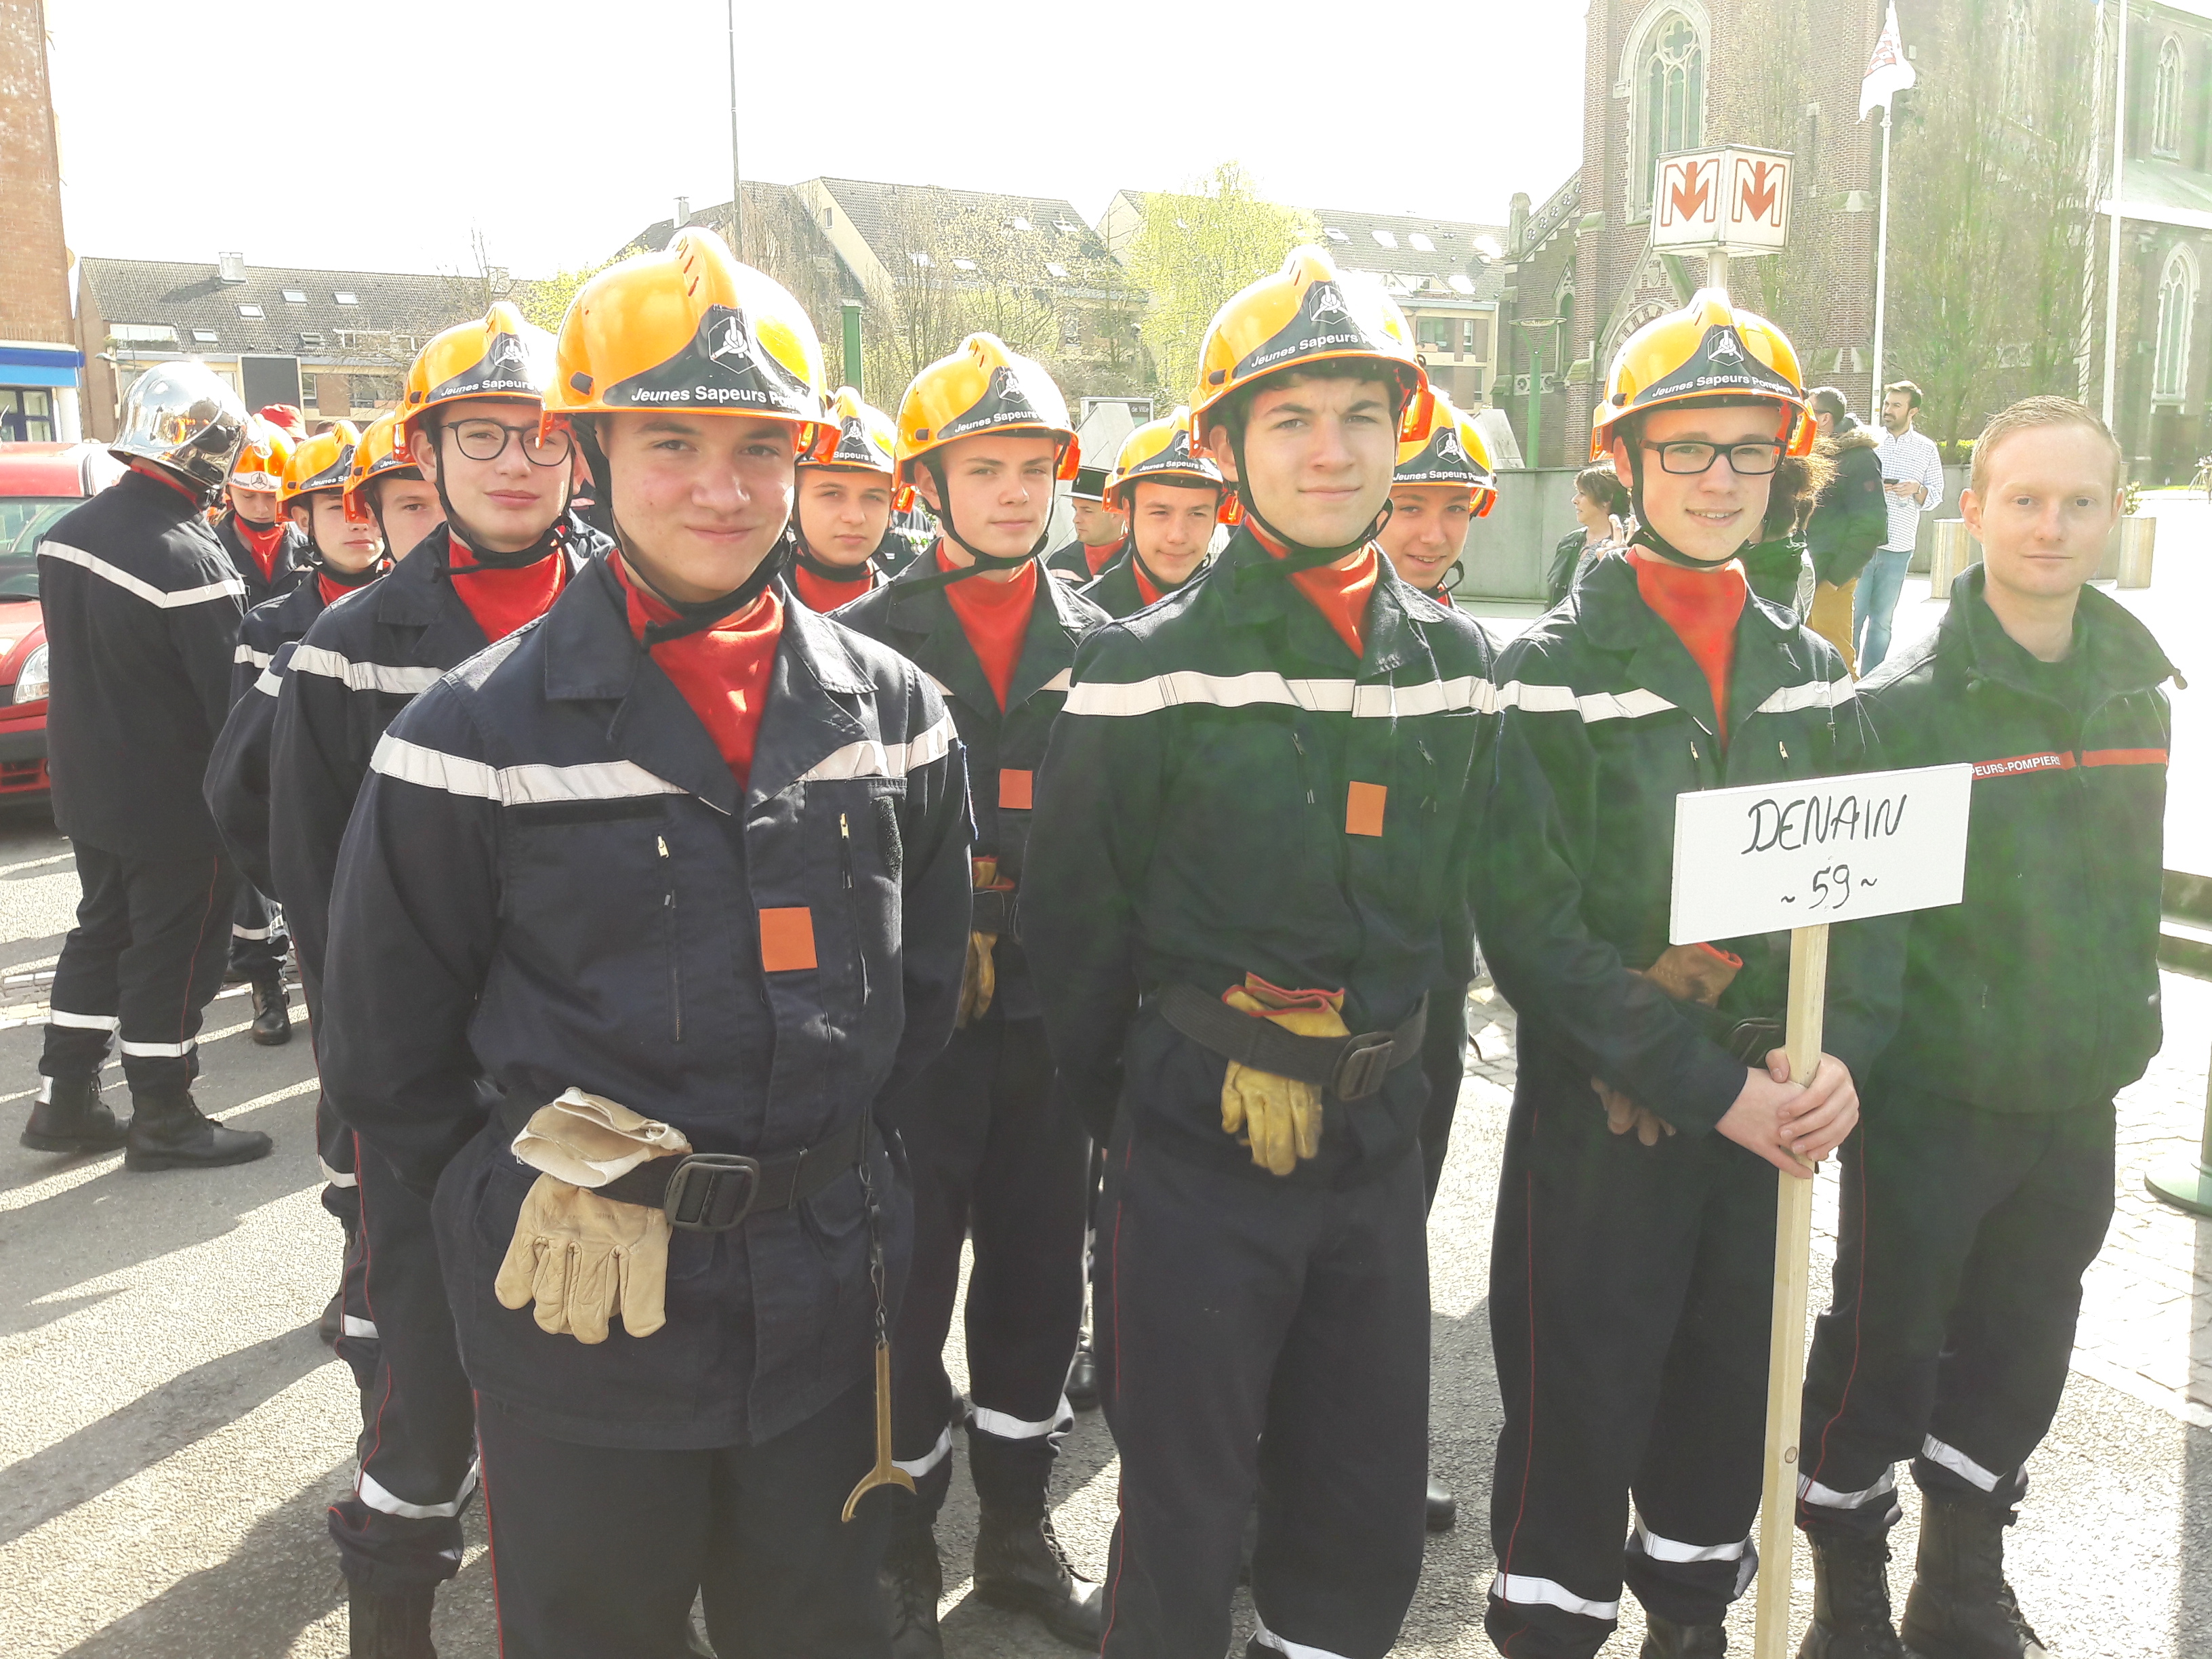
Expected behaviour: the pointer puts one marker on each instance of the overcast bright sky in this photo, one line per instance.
(376, 134)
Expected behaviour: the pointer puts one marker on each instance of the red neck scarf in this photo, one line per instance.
(822, 594)
(724, 672)
(262, 543)
(1100, 556)
(502, 600)
(1339, 591)
(995, 615)
(1702, 607)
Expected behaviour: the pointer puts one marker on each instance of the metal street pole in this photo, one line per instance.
(2183, 1187)
(853, 346)
(737, 195)
(1881, 268)
(2113, 260)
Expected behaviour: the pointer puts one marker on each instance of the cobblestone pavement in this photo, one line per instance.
(170, 1430)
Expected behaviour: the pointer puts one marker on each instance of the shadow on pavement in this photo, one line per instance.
(283, 1578)
(151, 1428)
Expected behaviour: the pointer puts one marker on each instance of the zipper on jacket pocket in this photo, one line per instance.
(852, 901)
(675, 950)
(1298, 744)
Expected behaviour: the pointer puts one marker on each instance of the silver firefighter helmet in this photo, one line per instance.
(182, 417)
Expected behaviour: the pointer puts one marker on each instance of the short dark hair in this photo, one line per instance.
(1236, 409)
(2039, 411)
(1911, 393)
(1602, 486)
(1827, 400)
(1797, 480)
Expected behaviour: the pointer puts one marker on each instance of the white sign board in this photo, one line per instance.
(1766, 857)
(1735, 200)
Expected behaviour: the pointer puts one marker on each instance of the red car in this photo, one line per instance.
(39, 482)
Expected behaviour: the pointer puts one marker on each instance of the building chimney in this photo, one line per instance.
(231, 267)
(683, 211)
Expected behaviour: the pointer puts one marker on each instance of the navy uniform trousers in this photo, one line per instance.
(997, 1155)
(1258, 1337)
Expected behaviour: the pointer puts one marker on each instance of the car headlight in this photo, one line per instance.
(31, 685)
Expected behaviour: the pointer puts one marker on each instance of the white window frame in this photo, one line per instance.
(1644, 151)
(2169, 375)
(2168, 93)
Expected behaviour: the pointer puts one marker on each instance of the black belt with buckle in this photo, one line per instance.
(998, 912)
(1350, 1067)
(714, 1192)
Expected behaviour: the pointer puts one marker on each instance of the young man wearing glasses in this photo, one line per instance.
(472, 411)
(1633, 1264)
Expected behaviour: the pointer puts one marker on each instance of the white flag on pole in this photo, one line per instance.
(1890, 73)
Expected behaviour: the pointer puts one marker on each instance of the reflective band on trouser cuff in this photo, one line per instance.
(1542, 1592)
(366, 1331)
(920, 1466)
(1013, 1428)
(84, 1022)
(157, 1050)
(337, 1177)
(373, 1494)
(237, 931)
(1267, 1638)
(1669, 1549)
(1829, 1498)
(1949, 1456)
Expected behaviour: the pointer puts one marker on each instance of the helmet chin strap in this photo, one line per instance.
(984, 562)
(1645, 535)
(1298, 555)
(547, 542)
(804, 556)
(696, 617)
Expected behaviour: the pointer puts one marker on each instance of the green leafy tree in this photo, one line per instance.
(1196, 249)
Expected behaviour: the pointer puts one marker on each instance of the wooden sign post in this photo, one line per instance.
(1800, 856)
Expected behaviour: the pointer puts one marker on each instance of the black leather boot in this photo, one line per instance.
(1850, 1598)
(1020, 1566)
(68, 1117)
(1444, 1508)
(272, 1019)
(169, 1131)
(914, 1580)
(1961, 1606)
(1665, 1639)
(1083, 1378)
(390, 1624)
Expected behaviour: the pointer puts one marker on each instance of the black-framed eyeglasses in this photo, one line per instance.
(487, 440)
(1746, 460)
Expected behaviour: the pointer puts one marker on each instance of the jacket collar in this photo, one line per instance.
(931, 635)
(2124, 656)
(1770, 649)
(591, 656)
(1254, 598)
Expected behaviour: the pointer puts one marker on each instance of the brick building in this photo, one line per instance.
(39, 357)
(1580, 274)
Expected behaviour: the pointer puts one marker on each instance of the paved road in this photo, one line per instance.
(170, 1428)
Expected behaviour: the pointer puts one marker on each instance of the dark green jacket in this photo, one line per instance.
(1850, 515)
(2040, 993)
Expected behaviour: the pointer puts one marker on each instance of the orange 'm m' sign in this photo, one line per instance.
(1732, 200)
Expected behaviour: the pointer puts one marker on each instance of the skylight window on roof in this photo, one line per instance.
(1488, 247)
(1460, 284)
(1383, 239)
(203, 337)
(250, 311)
(1063, 227)
(295, 296)
(1021, 224)
(1419, 243)
(964, 265)
(345, 299)
(920, 258)
(1056, 270)
(1334, 234)
(142, 333)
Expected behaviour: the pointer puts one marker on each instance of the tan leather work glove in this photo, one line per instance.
(580, 1257)
(979, 976)
(1688, 973)
(1278, 1117)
